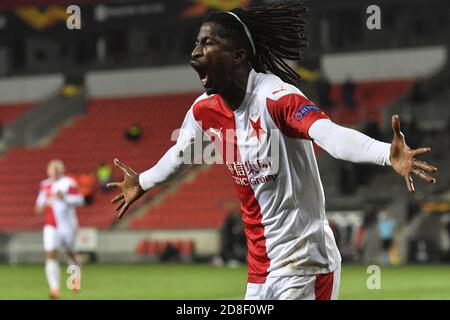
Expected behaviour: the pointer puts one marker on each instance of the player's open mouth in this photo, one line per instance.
(202, 73)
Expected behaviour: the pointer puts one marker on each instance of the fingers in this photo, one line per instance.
(409, 183)
(123, 167)
(419, 167)
(420, 151)
(424, 176)
(117, 198)
(123, 210)
(113, 185)
(396, 125)
(120, 165)
(121, 204)
(424, 166)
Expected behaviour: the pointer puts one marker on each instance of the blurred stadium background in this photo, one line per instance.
(121, 84)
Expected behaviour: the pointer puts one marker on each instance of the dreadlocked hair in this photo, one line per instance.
(278, 33)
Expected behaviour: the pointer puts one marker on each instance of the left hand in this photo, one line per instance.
(129, 187)
(404, 161)
(59, 195)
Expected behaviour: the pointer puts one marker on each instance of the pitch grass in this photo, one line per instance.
(172, 281)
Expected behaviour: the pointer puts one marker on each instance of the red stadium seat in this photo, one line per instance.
(97, 136)
(11, 112)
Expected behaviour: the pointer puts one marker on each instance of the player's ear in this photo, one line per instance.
(239, 55)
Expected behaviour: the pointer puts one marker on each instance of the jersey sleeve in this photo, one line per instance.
(179, 157)
(349, 144)
(294, 114)
(190, 135)
(41, 198)
(73, 196)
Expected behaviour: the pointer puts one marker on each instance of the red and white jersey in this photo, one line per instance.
(60, 213)
(283, 203)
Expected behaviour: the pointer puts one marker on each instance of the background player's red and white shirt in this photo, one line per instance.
(60, 213)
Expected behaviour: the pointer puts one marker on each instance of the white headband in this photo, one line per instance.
(247, 32)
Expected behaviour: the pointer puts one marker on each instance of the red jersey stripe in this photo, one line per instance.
(50, 217)
(214, 113)
(73, 190)
(324, 286)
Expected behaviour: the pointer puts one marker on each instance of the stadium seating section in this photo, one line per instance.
(99, 136)
(370, 97)
(10, 112)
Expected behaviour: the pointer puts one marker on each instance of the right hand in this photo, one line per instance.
(39, 209)
(131, 190)
(403, 159)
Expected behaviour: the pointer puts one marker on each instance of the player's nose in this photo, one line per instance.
(197, 52)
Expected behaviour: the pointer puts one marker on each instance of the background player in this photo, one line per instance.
(58, 197)
(291, 249)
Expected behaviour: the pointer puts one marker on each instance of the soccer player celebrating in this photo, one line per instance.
(292, 253)
(58, 196)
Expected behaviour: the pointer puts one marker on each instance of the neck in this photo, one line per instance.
(235, 93)
(56, 178)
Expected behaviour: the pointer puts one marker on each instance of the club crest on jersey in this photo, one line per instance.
(304, 110)
(257, 130)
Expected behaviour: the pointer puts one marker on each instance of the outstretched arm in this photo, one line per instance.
(351, 145)
(135, 185)
(173, 164)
